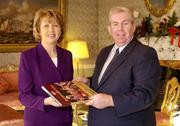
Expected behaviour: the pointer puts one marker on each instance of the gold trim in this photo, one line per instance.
(62, 10)
(61, 7)
(15, 47)
(9, 68)
(158, 12)
(171, 96)
(175, 64)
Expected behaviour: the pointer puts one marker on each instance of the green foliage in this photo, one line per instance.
(148, 24)
(172, 20)
(146, 28)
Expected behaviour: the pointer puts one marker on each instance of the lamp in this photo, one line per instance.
(79, 50)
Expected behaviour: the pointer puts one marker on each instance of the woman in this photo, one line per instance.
(45, 63)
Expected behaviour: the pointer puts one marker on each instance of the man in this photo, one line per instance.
(126, 85)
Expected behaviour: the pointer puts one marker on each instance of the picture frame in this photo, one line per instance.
(15, 28)
(157, 8)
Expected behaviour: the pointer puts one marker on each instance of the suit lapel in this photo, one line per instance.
(48, 68)
(114, 65)
(61, 62)
(100, 63)
(117, 62)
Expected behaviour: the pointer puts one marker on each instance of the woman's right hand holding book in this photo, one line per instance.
(51, 101)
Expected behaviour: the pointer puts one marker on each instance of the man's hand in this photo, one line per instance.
(83, 80)
(101, 101)
(51, 101)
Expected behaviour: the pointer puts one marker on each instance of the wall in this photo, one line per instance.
(82, 22)
(163, 47)
(87, 19)
(105, 6)
(9, 58)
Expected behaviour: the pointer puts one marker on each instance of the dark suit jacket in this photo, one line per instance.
(133, 81)
(36, 68)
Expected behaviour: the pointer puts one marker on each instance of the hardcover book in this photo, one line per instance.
(68, 93)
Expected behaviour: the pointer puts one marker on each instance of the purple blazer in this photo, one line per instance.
(36, 68)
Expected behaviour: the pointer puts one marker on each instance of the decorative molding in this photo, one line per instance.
(9, 68)
(175, 64)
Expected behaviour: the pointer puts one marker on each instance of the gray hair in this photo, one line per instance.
(119, 9)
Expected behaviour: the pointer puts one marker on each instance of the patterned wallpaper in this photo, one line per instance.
(9, 58)
(82, 23)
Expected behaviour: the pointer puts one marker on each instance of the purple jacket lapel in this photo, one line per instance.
(47, 67)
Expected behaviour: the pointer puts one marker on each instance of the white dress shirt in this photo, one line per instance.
(54, 61)
(109, 58)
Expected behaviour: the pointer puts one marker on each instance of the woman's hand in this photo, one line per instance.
(51, 101)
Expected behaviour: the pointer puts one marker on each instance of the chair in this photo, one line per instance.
(80, 114)
(164, 117)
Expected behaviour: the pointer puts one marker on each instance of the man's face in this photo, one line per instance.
(121, 28)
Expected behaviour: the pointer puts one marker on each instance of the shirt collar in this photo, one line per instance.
(122, 47)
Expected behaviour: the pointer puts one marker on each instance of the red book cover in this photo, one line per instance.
(70, 92)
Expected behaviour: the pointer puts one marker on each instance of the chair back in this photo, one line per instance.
(171, 96)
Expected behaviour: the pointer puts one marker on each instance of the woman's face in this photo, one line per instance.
(50, 31)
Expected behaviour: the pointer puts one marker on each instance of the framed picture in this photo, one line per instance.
(159, 7)
(16, 20)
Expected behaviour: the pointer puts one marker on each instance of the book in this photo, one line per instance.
(69, 92)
